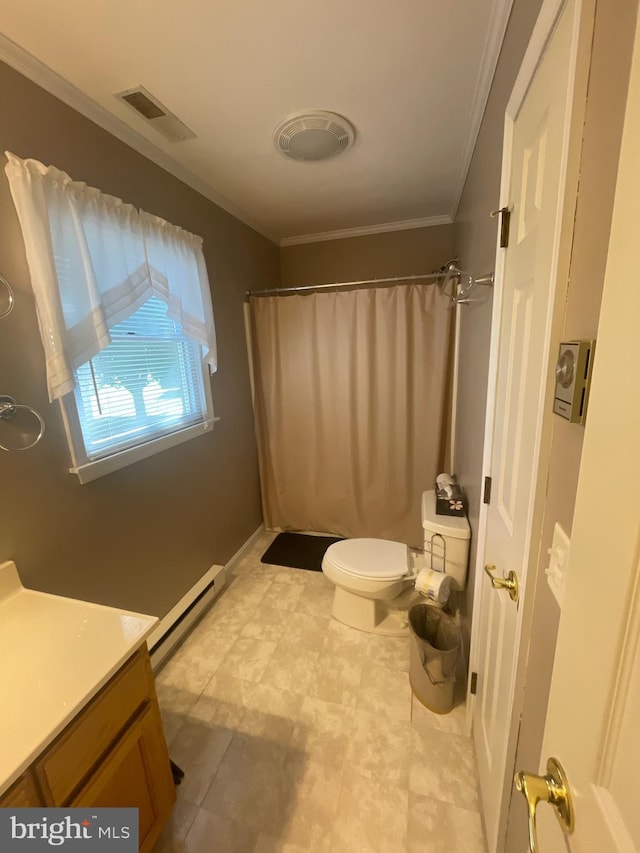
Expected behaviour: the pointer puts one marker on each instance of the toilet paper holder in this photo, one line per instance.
(444, 552)
(431, 582)
(429, 551)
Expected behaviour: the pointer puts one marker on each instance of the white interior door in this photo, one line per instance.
(539, 190)
(593, 723)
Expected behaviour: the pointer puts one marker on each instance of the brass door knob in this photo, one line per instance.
(552, 788)
(510, 582)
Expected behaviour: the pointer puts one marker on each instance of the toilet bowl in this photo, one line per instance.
(374, 577)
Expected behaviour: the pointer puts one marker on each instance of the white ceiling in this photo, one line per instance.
(411, 75)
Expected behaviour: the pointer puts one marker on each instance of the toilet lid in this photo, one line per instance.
(371, 559)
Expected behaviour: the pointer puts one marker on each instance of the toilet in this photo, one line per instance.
(374, 577)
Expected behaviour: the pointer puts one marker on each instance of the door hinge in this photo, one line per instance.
(505, 221)
(474, 683)
(486, 497)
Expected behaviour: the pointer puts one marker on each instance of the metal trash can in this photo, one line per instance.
(434, 650)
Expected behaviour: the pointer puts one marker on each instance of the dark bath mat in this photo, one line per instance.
(298, 550)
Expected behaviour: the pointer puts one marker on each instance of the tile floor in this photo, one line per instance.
(298, 733)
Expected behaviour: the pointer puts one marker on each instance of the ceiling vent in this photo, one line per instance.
(155, 114)
(315, 135)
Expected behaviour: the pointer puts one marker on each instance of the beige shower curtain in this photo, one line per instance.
(351, 391)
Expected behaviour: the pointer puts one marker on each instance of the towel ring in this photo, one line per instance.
(8, 409)
(6, 297)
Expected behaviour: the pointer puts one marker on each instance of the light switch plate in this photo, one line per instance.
(558, 567)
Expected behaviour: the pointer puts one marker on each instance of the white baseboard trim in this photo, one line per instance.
(183, 616)
(242, 550)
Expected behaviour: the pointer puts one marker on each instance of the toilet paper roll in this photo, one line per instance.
(434, 585)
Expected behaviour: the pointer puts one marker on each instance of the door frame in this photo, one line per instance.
(563, 238)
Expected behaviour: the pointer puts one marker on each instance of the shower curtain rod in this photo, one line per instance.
(366, 281)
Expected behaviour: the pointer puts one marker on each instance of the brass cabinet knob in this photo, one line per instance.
(510, 582)
(552, 788)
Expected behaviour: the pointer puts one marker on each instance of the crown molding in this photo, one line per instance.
(490, 55)
(404, 225)
(36, 71)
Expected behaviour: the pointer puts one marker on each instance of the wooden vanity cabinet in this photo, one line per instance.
(23, 794)
(112, 754)
(135, 773)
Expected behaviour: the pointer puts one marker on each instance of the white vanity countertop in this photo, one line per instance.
(55, 655)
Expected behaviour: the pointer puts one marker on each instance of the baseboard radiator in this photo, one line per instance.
(192, 606)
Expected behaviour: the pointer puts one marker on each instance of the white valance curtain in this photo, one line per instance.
(94, 260)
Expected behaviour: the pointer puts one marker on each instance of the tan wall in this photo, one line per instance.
(475, 245)
(417, 250)
(610, 65)
(138, 538)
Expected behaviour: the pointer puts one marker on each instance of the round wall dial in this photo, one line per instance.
(565, 368)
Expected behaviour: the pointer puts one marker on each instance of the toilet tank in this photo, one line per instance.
(453, 552)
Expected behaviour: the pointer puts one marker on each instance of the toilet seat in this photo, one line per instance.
(370, 559)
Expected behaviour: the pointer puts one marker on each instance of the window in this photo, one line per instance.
(148, 383)
(125, 317)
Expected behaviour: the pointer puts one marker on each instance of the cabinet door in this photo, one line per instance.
(136, 773)
(23, 794)
(88, 739)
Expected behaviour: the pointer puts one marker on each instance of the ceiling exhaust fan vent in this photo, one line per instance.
(155, 114)
(314, 136)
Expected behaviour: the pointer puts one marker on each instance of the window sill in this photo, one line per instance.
(100, 467)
